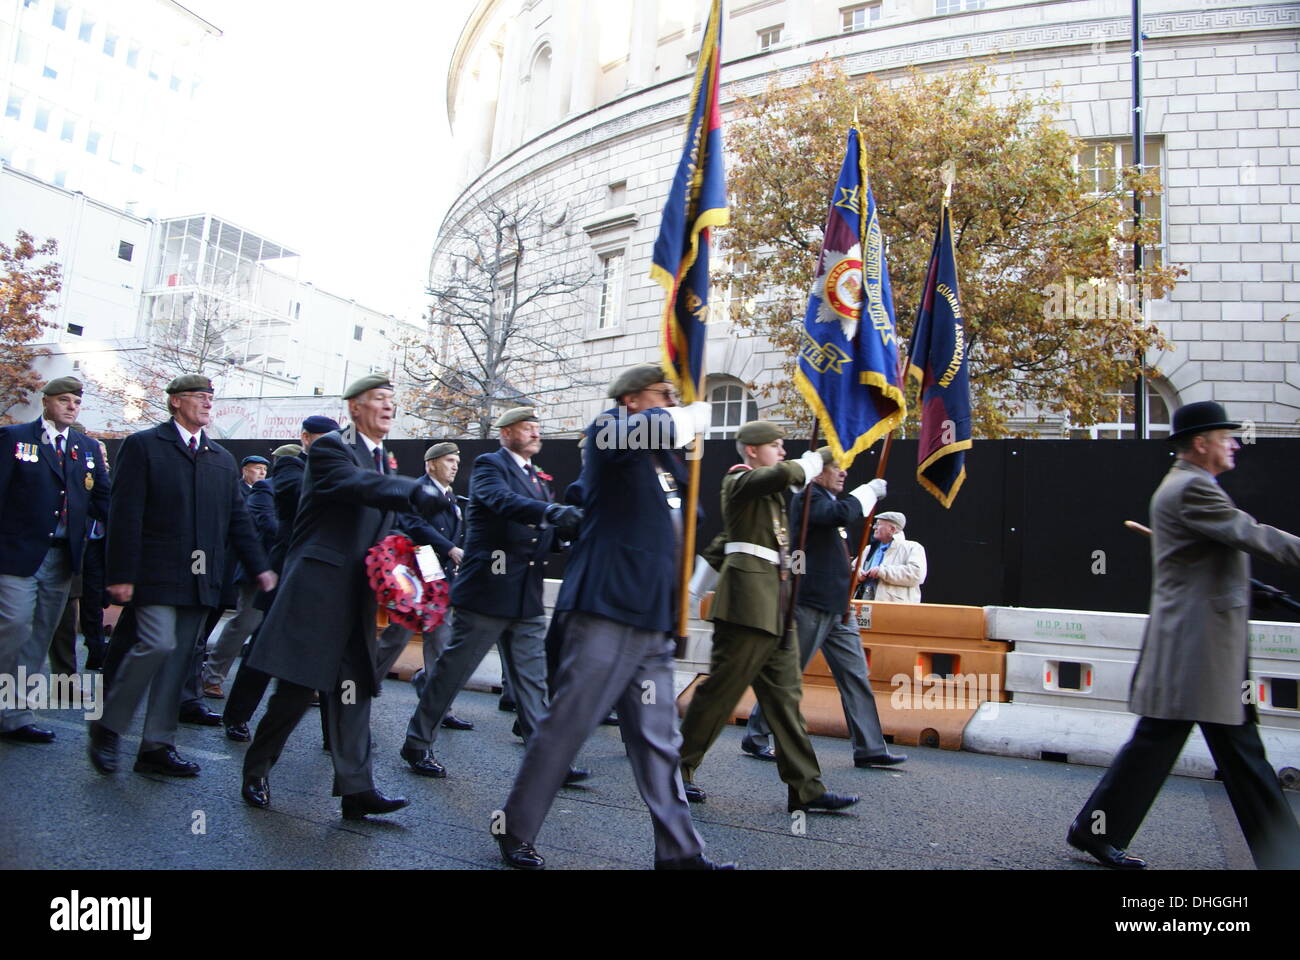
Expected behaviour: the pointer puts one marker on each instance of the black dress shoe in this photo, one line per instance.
(576, 775)
(30, 733)
(506, 706)
(453, 722)
(697, 862)
(517, 730)
(752, 749)
(167, 761)
(357, 806)
(103, 747)
(519, 853)
(200, 715)
(827, 801)
(238, 731)
(611, 720)
(693, 793)
(423, 763)
(1100, 850)
(256, 792)
(883, 760)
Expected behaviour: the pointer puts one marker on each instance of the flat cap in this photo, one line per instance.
(318, 424)
(636, 378)
(441, 450)
(190, 381)
(371, 381)
(758, 432)
(894, 517)
(255, 459)
(62, 385)
(288, 450)
(517, 415)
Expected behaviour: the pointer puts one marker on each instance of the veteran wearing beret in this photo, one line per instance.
(53, 483)
(748, 614)
(445, 532)
(320, 633)
(512, 523)
(288, 462)
(616, 611)
(176, 506)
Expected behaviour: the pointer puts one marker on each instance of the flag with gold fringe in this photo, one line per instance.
(848, 364)
(696, 201)
(938, 361)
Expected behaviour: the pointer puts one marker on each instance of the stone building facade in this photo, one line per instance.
(584, 106)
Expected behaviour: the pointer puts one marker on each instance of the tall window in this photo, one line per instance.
(853, 19)
(42, 119)
(732, 406)
(609, 314)
(60, 16)
(86, 32)
(539, 89)
(770, 37)
(942, 7)
(110, 44)
(69, 131)
(1122, 426)
(1099, 163)
(14, 105)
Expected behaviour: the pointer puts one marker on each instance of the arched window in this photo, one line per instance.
(539, 89)
(1122, 425)
(732, 406)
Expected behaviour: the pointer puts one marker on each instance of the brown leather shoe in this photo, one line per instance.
(214, 691)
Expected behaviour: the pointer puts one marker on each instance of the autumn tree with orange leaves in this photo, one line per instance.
(25, 290)
(1026, 223)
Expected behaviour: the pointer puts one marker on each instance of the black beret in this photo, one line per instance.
(319, 424)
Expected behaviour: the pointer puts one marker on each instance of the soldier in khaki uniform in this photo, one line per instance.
(748, 616)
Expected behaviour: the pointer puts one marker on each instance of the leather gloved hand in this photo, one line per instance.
(565, 518)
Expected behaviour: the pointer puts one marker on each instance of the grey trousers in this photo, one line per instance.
(158, 663)
(842, 647)
(472, 635)
(606, 665)
(30, 608)
(231, 639)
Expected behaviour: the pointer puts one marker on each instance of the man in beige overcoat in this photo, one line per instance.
(1193, 665)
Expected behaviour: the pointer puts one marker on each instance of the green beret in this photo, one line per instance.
(190, 381)
(441, 450)
(370, 382)
(517, 415)
(62, 385)
(827, 457)
(288, 450)
(758, 432)
(635, 379)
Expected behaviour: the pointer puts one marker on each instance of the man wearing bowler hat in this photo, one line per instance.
(1193, 667)
(52, 482)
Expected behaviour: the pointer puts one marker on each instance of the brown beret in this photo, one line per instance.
(757, 432)
(370, 382)
(635, 379)
(62, 385)
(190, 381)
(441, 450)
(517, 415)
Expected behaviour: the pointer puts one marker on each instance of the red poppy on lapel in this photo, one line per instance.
(392, 462)
(543, 474)
(73, 451)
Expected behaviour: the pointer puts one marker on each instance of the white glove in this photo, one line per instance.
(812, 465)
(867, 494)
(689, 420)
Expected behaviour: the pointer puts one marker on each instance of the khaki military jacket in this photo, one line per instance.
(749, 587)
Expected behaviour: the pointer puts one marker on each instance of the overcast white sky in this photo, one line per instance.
(324, 128)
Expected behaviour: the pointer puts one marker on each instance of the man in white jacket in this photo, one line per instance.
(893, 568)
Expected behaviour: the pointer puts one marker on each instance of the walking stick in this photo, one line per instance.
(688, 535)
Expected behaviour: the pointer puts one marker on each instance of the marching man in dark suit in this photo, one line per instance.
(175, 505)
(445, 532)
(823, 592)
(52, 482)
(320, 632)
(1194, 662)
(618, 604)
(512, 524)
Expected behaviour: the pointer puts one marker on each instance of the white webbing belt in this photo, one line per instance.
(753, 549)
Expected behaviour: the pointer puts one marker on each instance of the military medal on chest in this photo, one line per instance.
(90, 482)
(27, 452)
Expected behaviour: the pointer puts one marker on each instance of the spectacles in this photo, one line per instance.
(668, 394)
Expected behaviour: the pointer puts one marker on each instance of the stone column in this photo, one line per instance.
(644, 47)
(582, 91)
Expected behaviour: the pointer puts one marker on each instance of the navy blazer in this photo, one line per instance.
(31, 496)
(324, 601)
(444, 531)
(505, 515)
(825, 581)
(171, 517)
(624, 565)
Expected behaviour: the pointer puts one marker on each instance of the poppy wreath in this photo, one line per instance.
(411, 602)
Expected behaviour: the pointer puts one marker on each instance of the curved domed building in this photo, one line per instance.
(582, 105)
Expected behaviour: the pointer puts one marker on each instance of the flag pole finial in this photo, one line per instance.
(948, 172)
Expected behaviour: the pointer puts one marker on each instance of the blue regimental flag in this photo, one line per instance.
(848, 365)
(938, 360)
(696, 202)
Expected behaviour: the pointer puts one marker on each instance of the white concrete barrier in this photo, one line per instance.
(1069, 675)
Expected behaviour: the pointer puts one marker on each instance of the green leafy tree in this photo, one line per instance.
(1029, 229)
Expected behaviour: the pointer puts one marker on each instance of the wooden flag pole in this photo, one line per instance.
(688, 529)
(803, 539)
(854, 577)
